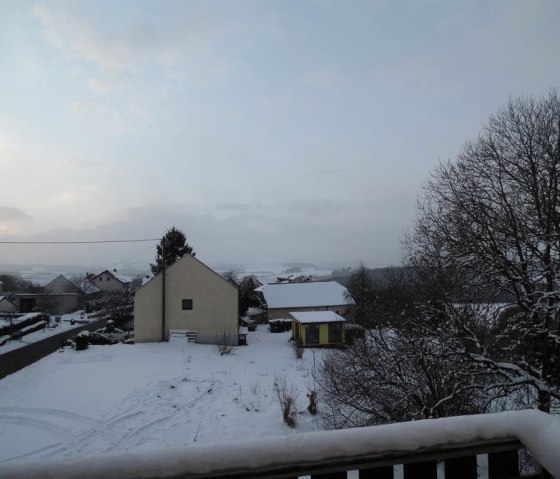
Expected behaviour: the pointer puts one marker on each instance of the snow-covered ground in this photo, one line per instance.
(64, 325)
(151, 396)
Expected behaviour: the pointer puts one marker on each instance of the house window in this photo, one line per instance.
(101, 278)
(312, 333)
(187, 304)
(335, 332)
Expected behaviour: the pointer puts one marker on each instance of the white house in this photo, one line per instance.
(109, 281)
(60, 284)
(197, 299)
(284, 298)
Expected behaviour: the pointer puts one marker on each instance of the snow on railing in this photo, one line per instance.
(324, 452)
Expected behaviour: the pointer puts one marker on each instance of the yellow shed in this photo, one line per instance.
(318, 328)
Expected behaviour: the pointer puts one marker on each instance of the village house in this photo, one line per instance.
(197, 300)
(7, 306)
(52, 303)
(53, 294)
(284, 298)
(109, 281)
(60, 284)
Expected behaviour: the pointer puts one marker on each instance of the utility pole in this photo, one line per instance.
(163, 289)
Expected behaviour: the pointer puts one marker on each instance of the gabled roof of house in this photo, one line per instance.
(317, 317)
(120, 277)
(56, 279)
(304, 295)
(180, 260)
(4, 298)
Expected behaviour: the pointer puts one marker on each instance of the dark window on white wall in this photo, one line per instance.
(187, 303)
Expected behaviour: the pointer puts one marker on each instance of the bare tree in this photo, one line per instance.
(361, 296)
(116, 305)
(379, 297)
(287, 397)
(491, 219)
(84, 286)
(391, 374)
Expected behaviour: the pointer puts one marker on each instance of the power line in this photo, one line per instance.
(82, 242)
(131, 258)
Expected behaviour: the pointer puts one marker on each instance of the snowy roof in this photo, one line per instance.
(120, 277)
(2, 298)
(304, 295)
(317, 317)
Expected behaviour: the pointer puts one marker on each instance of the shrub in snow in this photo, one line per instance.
(312, 407)
(287, 396)
(225, 343)
(298, 349)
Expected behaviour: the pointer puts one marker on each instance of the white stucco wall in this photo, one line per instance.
(214, 312)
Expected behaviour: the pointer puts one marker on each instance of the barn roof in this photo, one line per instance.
(304, 295)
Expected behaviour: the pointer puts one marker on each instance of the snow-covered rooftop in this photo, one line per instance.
(304, 295)
(121, 277)
(317, 317)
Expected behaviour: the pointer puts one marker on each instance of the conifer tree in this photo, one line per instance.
(172, 246)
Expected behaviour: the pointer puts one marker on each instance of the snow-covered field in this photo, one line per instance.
(150, 396)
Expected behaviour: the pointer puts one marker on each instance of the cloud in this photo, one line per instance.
(176, 45)
(107, 117)
(323, 77)
(76, 39)
(82, 163)
(13, 214)
(100, 86)
(265, 233)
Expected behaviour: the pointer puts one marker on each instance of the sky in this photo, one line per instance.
(267, 131)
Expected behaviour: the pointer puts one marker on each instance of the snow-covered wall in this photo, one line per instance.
(538, 431)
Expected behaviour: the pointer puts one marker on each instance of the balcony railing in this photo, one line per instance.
(457, 447)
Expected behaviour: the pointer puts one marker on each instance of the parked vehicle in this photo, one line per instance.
(114, 333)
(89, 338)
(248, 323)
(98, 338)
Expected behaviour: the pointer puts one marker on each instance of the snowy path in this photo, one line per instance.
(149, 396)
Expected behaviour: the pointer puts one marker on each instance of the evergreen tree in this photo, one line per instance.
(172, 246)
(247, 296)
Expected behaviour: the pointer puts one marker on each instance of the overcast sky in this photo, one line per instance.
(267, 131)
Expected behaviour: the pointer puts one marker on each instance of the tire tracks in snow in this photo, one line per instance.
(48, 412)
